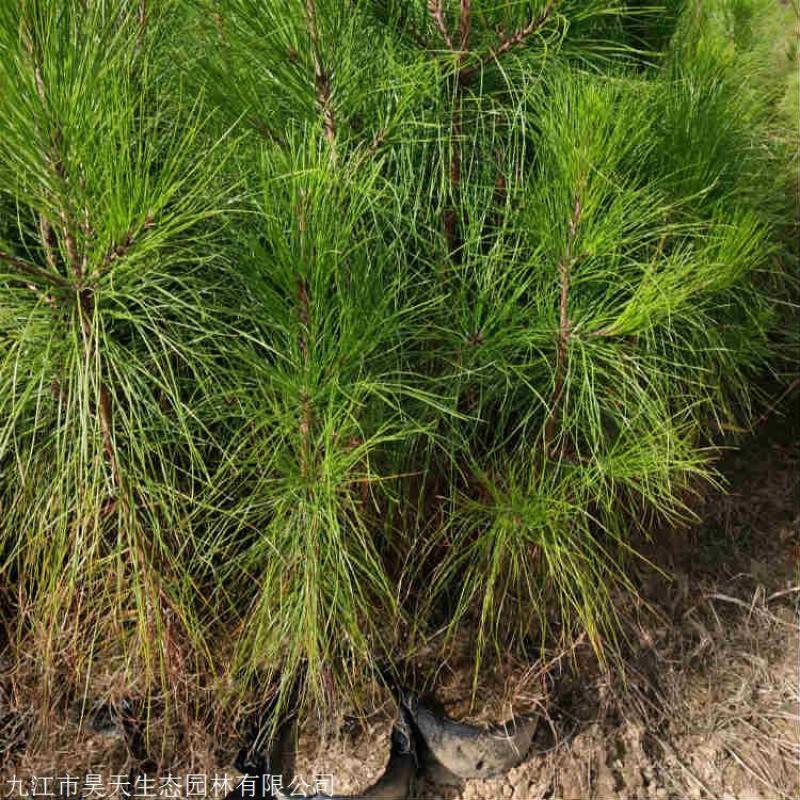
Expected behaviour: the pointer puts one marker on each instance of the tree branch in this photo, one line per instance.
(451, 221)
(123, 247)
(321, 76)
(306, 409)
(562, 352)
(86, 298)
(48, 242)
(437, 15)
(54, 162)
(142, 20)
(465, 25)
(266, 132)
(32, 271)
(103, 405)
(451, 215)
(401, 23)
(516, 39)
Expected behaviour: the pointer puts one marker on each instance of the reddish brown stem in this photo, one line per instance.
(437, 15)
(465, 25)
(516, 39)
(86, 300)
(451, 220)
(500, 190)
(48, 242)
(54, 162)
(306, 410)
(142, 15)
(86, 307)
(123, 247)
(321, 76)
(266, 131)
(562, 352)
(305, 317)
(105, 428)
(306, 422)
(31, 270)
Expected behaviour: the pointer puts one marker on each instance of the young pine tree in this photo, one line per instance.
(516, 265)
(328, 322)
(110, 332)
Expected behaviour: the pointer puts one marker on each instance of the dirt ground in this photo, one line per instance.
(356, 758)
(711, 705)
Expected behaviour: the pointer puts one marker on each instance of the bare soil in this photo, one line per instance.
(354, 753)
(497, 693)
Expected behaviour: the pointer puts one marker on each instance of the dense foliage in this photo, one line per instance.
(325, 323)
